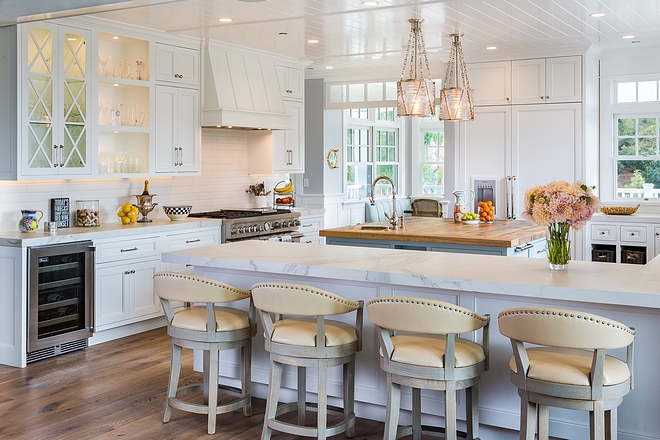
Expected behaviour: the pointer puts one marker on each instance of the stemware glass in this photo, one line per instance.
(120, 158)
(104, 110)
(103, 60)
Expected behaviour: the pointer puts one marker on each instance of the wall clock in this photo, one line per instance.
(333, 159)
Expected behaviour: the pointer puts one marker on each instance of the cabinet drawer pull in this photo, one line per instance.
(307, 226)
(127, 272)
(523, 248)
(129, 250)
(308, 241)
(194, 241)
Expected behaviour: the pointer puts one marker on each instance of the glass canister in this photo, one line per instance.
(87, 213)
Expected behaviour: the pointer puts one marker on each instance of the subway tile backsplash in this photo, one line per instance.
(222, 184)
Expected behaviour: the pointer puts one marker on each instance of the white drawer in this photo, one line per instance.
(309, 225)
(603, 232)
(313, 239)
(127, 249)
(189, 240)
(633, 234)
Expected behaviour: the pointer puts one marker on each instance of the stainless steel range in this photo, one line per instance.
(238, 225)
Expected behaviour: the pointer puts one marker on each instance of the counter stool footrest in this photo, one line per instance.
(308, 431)
(198, 408)
(404, 431)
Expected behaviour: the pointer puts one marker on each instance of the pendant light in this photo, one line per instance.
(456, 95)
(415, 95)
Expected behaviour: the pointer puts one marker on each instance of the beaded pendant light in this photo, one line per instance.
(415, 94)
(456, 95)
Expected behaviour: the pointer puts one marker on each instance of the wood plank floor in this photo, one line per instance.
(117, 389)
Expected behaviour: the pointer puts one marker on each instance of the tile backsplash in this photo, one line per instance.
(222, 184)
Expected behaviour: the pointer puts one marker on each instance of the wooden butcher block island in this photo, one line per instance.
(502, 237)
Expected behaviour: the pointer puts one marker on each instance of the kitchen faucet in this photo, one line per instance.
(394, 219)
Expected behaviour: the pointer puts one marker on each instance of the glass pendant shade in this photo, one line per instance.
(456, 96)
(416, 93)
(415, 98)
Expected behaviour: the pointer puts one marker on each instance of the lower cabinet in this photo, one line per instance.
(310, 225)
(623, 242)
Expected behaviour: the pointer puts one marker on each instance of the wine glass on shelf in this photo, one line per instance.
(103, 60)
(104, 110)
(120, 158)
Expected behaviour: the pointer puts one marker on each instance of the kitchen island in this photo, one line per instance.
(502, 237)
(488, 285)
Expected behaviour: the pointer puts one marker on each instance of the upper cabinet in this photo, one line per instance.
(54, 101)
(491, 82)
(549, 80)
(288, 145)
(292, 82)
(175, 64)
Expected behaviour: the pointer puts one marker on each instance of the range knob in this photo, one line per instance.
(241, 229)
(233, 231)
(267, 226)
(255, 228)
(296, 223)
(286, 224)
(252, 228)
(276, 225)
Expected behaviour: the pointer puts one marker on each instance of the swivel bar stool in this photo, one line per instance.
(209, 328)
(420, 348)
(569, 369)
(303, 337)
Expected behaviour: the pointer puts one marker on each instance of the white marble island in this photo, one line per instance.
(486, 284)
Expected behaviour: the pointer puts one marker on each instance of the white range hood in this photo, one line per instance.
(243, 92)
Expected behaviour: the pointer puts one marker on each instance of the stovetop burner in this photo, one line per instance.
(237, 213)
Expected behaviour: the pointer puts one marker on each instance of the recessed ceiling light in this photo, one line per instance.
(598, 14)
(115, 38)
(491, 47)
(329, 67)
(376, 57)
(628, 37)
(370, 3)
(116, 85)
(312, 41)
(225, 20)
(230, 126)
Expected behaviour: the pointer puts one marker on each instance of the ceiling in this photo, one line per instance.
(349, 33)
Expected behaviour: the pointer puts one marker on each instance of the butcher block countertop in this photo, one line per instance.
(501, 233)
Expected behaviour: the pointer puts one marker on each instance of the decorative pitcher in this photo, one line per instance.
(30, 220)
(461, 204)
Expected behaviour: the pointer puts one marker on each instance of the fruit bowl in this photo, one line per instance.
(128, 213)
(471, 222)
(176, 213)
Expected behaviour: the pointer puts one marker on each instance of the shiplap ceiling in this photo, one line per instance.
(350, 33)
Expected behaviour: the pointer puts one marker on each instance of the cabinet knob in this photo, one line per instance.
(657, 233)
(547, 96)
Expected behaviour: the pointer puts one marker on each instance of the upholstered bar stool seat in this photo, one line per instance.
(567, 366)
(420, 348)
(209, 328)
(296, 338)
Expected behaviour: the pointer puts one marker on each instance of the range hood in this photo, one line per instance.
(242, 92)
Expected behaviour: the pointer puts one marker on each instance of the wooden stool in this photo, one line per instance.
(430, 355)
(308, 342)
(209, 328)
(571, 370)
(426, 208)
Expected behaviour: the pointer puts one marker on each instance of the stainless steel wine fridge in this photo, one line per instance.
(60, 298)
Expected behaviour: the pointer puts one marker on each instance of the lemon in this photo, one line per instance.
(134, 209)
(126, 208)
(121, 213)
(131, 214)
(125, 220)
(133, 219)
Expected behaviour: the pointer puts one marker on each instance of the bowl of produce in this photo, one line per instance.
(470, 218)
(128, 213)
(176, 213)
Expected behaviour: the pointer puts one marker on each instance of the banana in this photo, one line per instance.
(288, 188)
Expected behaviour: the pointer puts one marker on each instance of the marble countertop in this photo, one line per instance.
(504, 233)
(618, 284)
(109, 230)
(633, 218)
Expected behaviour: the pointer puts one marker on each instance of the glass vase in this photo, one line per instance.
(559, 245)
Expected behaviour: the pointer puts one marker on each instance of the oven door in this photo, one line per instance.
(285, 237)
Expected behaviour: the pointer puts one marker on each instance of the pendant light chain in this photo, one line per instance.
(415, 94)
(456, 95)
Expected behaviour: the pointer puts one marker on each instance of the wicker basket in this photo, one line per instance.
(633, 256)
(603, 255)
(619, 210)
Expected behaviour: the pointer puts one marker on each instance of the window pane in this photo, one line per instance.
(390, 91)
(374, 91)
(433, 179)
(633, 174)
(648, 91)
(356, 92)
(359, 178)
(647, 146)
(338, 93)
(626, 127)
(626, 147)
(626, 92)
(383, 187)
(647, 127)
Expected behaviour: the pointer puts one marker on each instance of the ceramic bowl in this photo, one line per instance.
(471, 222)
(176, 213)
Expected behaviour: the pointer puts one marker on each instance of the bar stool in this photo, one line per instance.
(212, 329)
(569, 369)
(420, 348)
(303, 341)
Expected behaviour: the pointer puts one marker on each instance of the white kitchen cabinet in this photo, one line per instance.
(176, 64)
(292, 82)
(177, 130)
(491, 82)
(623, 242)
(288, 145)
(521, 147)
(310, 225)
(546, 80)
(54, 101)
(188, 240)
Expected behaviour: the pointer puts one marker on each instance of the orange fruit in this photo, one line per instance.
(489, 203)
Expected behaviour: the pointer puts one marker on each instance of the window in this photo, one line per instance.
(637, 156)
(433, 163)
(372, 150)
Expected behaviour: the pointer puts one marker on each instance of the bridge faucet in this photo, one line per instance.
(394, 219)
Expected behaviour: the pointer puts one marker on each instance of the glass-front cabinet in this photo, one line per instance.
(55, 101)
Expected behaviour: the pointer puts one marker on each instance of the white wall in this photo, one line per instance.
(222, 184)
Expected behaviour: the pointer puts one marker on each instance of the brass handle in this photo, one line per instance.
(193, 241)
(513, 208)
(129, 250)
(547, 96)
(62, 156)
(127, 272)
(307, 226)
(55, 162)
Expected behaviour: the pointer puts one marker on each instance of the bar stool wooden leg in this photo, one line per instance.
(175, 370)
(246, 376)
(611, 424)
(393, 404)
(472, 411)
(302, 395)
(597, 421)
(450, 410)
(349, 395)
(527, 417)
(416, 413)
(274, 383)
(205, 375)
(213, 388)
(322, 413)
(544, 422)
